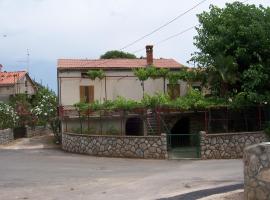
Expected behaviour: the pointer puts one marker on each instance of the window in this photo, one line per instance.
(173, 90)
(87, 94)
(84, 75)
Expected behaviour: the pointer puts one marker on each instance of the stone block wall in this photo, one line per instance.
(228, 145)
(116, 146)
(37, 131)
(257, 172)
(6, 136)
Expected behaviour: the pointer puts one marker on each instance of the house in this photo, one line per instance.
(119, 80)
(74, 86)
(16, 82)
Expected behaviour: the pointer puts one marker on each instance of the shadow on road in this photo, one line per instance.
(204, 193)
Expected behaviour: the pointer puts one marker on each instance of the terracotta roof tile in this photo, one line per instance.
(114, 63)
(9, 78)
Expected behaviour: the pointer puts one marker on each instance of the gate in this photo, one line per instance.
(19, 132)
(183, 145)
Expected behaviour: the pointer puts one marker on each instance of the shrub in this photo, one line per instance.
(8, 116)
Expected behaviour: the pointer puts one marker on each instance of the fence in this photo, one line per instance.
(216, 120)
(224, 120)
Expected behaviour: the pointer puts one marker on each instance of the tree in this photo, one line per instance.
(117, 54)
(234, 47)
(44, 107)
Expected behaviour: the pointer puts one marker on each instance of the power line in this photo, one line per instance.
(162, 26)
(173, 36)
(168, 38)
(157, 29)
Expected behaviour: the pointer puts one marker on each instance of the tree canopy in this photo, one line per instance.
(117, 54)
(234, 48)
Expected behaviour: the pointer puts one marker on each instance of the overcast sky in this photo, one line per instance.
(53, 29)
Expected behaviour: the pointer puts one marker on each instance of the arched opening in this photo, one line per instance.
(134, 126)
(180, 133)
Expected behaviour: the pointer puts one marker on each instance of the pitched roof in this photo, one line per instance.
(9, 78)
(115, 63)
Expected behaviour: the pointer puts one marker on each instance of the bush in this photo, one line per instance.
(8, 116)
(155, 101)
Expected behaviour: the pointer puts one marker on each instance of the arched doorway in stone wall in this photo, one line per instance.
(134, 126)
(180, 133)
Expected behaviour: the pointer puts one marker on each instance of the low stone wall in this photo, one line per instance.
(6, 136)
(228, 145)
(257, 172)
(116, 146)
(37, 131)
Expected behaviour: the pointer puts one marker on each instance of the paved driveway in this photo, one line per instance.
(40, 173)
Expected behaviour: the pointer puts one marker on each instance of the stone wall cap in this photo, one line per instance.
(115, 136)
(3, 130)
(263, 144)
(233, 133)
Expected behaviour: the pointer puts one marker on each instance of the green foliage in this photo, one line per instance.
(44, 106)
(117, 54)
(44, 109)
(173, 77)
(95, 106)
(82, 107)
(185, 74)
(124, 104)
(245, 99)
(155, 101)
(234, 47)
(107, 105)
(93, 74)
(162, 72)
(254, 78)
(21, 103)
(193, 100)
(150, 72)
(8, 116)
(141, 73)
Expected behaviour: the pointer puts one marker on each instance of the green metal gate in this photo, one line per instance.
(183, 145)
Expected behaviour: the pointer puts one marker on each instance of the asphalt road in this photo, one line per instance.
(38, 173)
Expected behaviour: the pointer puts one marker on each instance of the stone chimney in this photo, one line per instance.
(149, 54)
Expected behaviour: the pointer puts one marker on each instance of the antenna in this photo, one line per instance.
(28, 59)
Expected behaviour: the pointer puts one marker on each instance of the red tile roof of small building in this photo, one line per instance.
(9, 78)
(115, 63)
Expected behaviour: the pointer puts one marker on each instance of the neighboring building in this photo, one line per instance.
(75, 86)
(17, 82)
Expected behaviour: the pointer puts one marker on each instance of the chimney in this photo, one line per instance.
(149, 54)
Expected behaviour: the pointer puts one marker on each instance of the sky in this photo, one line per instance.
(53, 29)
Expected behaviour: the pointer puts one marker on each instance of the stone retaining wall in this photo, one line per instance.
(116, 146)
(228, 145)
(6, 136)
(257, 172)
(37, 131)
